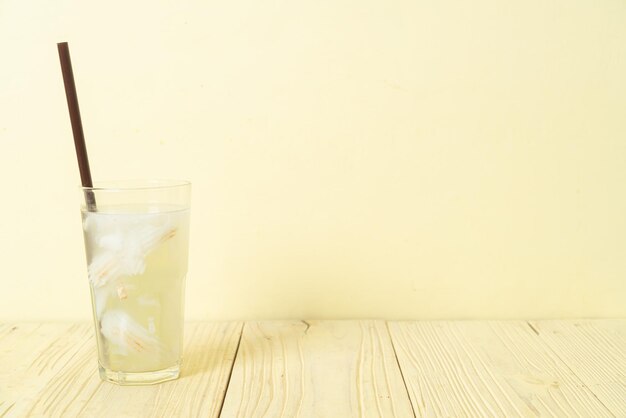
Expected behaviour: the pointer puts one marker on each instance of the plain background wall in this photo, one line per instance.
(396, 159)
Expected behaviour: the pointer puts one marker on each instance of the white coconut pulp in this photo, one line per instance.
(137, 263)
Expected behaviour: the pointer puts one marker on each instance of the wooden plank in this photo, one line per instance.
(596, 351)
(484, 368)
(73, 388)
(316, 369)
(30, 355)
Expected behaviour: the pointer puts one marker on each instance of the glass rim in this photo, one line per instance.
(126, 185)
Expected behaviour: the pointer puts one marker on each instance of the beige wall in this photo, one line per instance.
(399, 159)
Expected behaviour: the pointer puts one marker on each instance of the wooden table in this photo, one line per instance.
(332, 369)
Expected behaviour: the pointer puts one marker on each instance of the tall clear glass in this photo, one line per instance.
(136, 241)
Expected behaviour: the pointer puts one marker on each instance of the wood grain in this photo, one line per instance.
(316, 368)
(596, 351)
(30, 355)
(65, 382)
(487, 369)
(332, 369)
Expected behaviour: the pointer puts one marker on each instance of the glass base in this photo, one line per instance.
(141, 378)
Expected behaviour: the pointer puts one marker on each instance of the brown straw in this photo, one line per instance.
(77, 126)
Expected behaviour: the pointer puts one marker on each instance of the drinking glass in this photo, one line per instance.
(136, 241)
